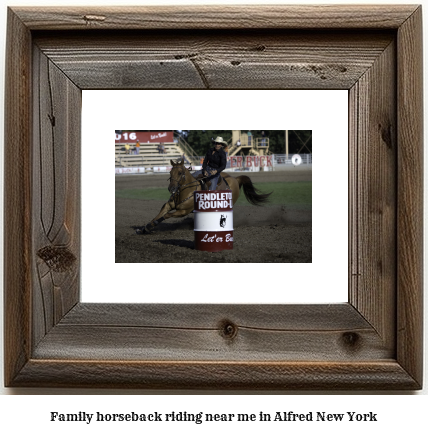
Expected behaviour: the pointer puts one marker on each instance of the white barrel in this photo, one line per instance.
(213, 220)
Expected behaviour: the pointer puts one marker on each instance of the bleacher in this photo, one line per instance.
(148, 155)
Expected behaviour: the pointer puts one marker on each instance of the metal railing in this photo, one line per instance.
(255, 143)
(284, 159)
(277, 160)
(186, 149)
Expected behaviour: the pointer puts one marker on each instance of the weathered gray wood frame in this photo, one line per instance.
(372, 342)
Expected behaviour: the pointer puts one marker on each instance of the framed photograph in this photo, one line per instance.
(373, 341)
(278, 232)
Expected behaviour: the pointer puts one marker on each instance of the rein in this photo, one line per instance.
(181, 187)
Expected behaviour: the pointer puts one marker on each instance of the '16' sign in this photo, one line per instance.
(127, 136)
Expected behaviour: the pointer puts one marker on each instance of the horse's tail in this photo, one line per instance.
(252, 194)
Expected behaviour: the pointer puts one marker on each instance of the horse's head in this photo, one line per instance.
(177, 175)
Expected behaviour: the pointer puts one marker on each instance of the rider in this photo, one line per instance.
(214, 163)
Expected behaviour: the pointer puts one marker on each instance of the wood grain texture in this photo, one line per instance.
(217, 17)
(56, 199)
(373, 176)
(341, 317)
(372, 342)
(216, 60)
(410, 196)
(384, 375)
(17, 198)
(199, 332)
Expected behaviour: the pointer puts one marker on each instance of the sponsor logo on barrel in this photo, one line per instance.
(213, 201)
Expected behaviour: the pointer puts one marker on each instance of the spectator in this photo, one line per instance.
(238, 143)
(263, 138)
(137, 147)
(127, 148)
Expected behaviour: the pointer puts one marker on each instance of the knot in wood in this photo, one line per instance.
(351, 340)
(386, 134)
(58, 259)
(228, 329)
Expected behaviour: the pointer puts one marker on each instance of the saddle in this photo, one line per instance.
(221, 184)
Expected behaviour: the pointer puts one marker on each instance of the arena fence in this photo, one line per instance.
(283, 159)
(234, 164)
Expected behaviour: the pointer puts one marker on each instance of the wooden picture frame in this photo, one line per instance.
(372, 342)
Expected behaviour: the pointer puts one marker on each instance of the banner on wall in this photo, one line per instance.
(126, 170)
(251, 161)
(145, 137)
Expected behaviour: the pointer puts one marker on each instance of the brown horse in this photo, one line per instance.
(183, 185)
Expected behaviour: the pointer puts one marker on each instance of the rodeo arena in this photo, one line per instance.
(260, 212)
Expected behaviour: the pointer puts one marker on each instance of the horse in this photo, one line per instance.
(183, 186)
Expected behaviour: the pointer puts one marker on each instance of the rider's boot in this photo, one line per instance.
(205, 185)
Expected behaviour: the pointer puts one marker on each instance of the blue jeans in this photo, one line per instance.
(212, 178)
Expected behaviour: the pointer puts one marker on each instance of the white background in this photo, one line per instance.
(397, 412)
(325, 280)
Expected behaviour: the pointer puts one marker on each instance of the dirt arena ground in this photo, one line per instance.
(261, 234)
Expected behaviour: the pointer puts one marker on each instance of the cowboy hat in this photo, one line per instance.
(219, 140)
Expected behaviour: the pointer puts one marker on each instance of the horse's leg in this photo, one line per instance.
(166, 214)
(178, 213)
(166, 208)
(185, 206)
